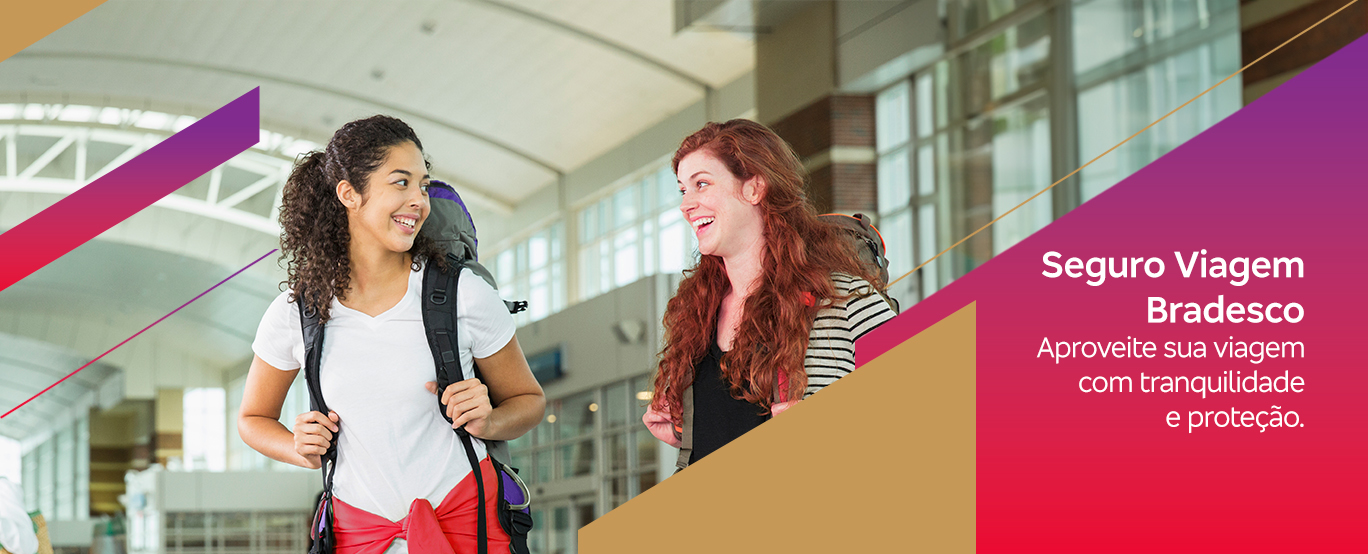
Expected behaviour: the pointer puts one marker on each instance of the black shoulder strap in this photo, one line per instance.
(313, 351)
(439, 319)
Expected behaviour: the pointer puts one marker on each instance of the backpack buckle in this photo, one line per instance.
(438, 297)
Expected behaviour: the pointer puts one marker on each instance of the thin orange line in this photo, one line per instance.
(1118, 145)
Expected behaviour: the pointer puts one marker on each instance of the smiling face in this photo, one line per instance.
(395, 203)
(724, 210)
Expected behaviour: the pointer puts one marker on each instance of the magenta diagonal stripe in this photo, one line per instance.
(128, 189)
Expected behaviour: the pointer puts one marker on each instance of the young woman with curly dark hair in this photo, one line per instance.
(350, 219)
(771, 312)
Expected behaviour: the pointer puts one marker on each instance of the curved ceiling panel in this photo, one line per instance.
(508, 93)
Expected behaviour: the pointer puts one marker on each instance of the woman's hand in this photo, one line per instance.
(662, 427)
(313, 433)
(467, 403)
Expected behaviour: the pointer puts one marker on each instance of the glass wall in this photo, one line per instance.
(533, 270)
(56, 474)
(592, 449)
(10, 455)
(968, 138)
(205, 427)
(228, 533)
(633, 231)
(1138, 60)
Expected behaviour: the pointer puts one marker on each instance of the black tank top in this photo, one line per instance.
(718, 418)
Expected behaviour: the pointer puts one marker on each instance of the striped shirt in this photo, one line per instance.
(831, 344)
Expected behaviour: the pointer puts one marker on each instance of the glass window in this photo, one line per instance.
(972, 15)
(894, 175)
(626, 207)
(981, 146)
(891, 117)
(926, 170)
(625, 262)
(1104, 31)
(1021, 168)
(617, 491)
(645, 481)
(644, 387)
(539, 294)
(64, 487)
(605, 269)
(576, 459)
(617, 452)
(647, 449)
(505, 266)
(667, 188)
(1192, 46)
(1012, 61)
(205, 429)
(926, 123)
(673, 244)
(534, 270)
(644, 238)
(538, 249)
(588, 225)
(926, 243)
(899, 251)
(545, 461)
(546, 430)
(576, 417)
(10, 465)
(615, 406)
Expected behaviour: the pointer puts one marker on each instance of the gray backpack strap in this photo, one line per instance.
(499, 451)
(686, 438)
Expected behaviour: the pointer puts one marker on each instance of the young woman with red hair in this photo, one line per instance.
(771, 312)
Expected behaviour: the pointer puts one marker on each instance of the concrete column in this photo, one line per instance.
(797, 96)
(120, 440)
(170, 423)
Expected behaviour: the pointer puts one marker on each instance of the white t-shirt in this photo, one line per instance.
(393, 446)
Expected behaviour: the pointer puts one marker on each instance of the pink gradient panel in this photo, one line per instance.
(1060, 470)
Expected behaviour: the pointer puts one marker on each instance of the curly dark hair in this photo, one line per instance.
(313, 222)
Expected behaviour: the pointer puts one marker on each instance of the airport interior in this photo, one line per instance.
(556, 121)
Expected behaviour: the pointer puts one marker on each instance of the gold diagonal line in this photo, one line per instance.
(1118, 145)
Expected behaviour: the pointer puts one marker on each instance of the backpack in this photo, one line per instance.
(450, 225)
(869, 247)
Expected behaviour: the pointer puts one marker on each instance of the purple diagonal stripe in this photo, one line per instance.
(128, 189)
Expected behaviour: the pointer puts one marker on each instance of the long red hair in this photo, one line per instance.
(801, 252)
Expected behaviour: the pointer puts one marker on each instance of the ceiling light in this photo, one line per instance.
(111, 116)
(76, 113)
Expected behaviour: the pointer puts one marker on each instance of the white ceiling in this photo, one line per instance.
(504, 93)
